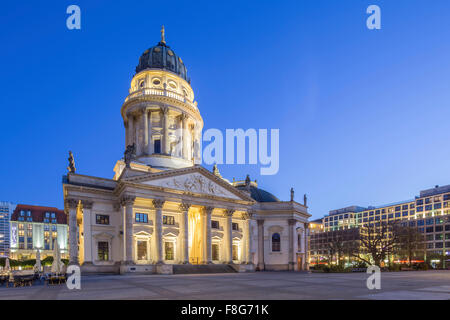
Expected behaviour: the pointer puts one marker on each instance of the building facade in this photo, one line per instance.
(6, 209)
(429, 212)
(37, 228)
(161, 208)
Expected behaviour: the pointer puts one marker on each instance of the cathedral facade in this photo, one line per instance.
(162, 211)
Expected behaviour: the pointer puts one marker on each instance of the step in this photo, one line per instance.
(202, 268)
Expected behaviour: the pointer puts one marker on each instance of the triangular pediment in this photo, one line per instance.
(193, 180)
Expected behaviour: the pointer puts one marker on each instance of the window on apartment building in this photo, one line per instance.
(430, 229)
(102, 219)
(169, 220)
(235, 226)
(439, 245)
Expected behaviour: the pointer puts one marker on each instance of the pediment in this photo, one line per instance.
(193, 180)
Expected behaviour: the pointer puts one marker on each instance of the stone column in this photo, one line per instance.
(136, 136)
(207, 213)
(87, 235)
(184, 208)
(306, 247)
(248, 237)
(291, 223)
(165, 142)
(158, 204)
(261, 265)
(130, 129)
(127, 136)
(127, 203)
(185, 137)
(229, 236)
(145, 119)
(72, 206)
(149, 147)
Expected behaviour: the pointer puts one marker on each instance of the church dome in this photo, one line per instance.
(162, 57)
(258, 194)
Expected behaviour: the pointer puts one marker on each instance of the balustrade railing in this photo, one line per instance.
(160, 92)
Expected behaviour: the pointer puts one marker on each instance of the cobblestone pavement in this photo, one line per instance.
(235, 286)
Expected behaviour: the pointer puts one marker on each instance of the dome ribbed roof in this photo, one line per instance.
(162, 57)
(259, 195)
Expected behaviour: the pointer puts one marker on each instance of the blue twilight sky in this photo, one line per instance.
(363, 115)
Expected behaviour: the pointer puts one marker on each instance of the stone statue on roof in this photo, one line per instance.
(71, 167)
(305, 200)
(292, 194)
(129, 154)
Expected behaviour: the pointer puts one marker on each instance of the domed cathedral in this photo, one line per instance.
(162, 212)
(161, 118)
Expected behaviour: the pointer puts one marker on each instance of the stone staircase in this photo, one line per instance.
(202, 268)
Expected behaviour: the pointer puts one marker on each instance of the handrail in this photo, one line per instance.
(159, 92)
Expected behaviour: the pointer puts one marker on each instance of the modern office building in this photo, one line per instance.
(429, 212)
(36, 227)
(6, 209)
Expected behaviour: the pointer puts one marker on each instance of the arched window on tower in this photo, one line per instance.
(276, 243)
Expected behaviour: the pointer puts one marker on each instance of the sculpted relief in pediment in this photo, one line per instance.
(196, 183)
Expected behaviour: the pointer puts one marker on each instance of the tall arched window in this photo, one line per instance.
(276, 244)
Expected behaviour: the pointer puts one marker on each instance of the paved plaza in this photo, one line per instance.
(238, 286)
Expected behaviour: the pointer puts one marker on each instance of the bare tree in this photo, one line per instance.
(410, 242)
(342, 243)
(376, 240)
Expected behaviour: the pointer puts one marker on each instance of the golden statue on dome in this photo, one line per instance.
(163, 35)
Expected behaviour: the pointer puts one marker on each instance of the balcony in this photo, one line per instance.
(160, 92)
